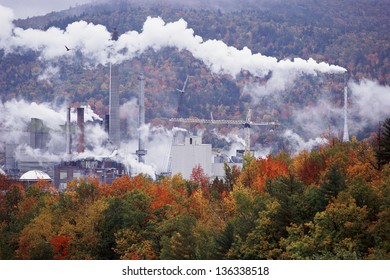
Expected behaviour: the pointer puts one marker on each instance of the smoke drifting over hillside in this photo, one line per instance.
(93, 43)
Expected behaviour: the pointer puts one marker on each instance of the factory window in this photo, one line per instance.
(76, 174)
(63, 175)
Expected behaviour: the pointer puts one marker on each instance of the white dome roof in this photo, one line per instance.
(35, 175)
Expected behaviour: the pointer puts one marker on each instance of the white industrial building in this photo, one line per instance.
(188, 155)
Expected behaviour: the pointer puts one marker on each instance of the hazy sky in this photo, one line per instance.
(29, 8)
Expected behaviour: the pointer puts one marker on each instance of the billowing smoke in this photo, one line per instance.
(93, 41)
(370, 104)
(16, 116)
(297, 143)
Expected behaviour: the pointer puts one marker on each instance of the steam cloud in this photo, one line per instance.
(16, 116)
(93, 41)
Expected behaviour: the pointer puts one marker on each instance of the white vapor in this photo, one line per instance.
(370, 103)
(93, 41)
(297, 143)
(16, 115)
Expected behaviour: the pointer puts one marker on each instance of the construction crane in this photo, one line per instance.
(247, 123)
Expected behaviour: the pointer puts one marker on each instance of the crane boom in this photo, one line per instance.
(247, 123)
(237, 122)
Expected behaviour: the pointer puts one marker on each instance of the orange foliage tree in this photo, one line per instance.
(309, 166)
(258, 171)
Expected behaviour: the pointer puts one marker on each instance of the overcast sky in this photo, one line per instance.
(29, 8)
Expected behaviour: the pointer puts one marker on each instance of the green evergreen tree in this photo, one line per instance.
(334, 183)
(383, 152)
(224, 242)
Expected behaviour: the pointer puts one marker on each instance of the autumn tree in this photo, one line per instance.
(231, 175)
(262, 241)
(82, 231)
(34, 239)
(309, 166)
(199, 178)
(131, 213)
(341, 231)
(257, 171)
(177, 239)
(60, 246)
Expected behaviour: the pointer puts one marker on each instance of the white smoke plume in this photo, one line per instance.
(16, 116)
(370, 104)
(93, 41)
(49, 73)
(230, 138)
(297, 143)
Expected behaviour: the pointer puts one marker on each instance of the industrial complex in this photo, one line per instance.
(23, 161)
(72, 163)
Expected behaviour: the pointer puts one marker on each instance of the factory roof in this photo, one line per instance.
(33, 175)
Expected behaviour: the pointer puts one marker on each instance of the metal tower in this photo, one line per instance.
(68, 133)
(141, 152)
(114, 126)
(80, 130)
(346, 133)
(247, 123)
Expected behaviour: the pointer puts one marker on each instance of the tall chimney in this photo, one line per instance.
(346, 133)
(68, 134)
(80, 130)
(106, 123)
(141, 152)
(114, 127)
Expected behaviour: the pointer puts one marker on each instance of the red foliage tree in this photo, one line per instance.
(60, 246)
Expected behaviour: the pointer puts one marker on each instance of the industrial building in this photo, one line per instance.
(33, 176)
(192, 153)
(36, 137)
(39, 134)
(25, 161)
(106, 170)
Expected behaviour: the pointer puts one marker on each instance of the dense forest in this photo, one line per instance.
(330, 203)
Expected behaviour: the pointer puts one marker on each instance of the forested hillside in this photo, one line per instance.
(352, 34)
(330, 203)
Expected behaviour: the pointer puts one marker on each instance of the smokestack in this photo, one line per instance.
(39, 134)
(106, 123)
(346, 133)
(141, 152)
(68, 134)
(80, 130)
(114, 127)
